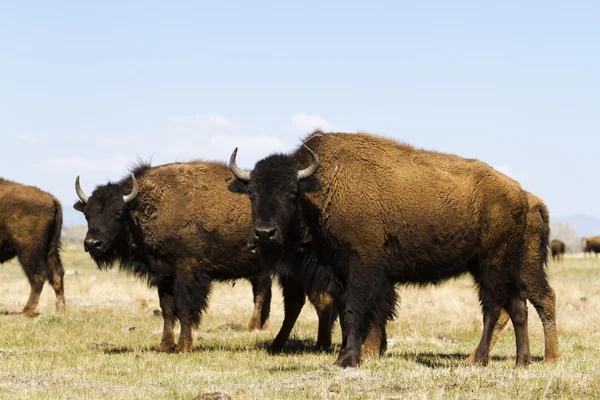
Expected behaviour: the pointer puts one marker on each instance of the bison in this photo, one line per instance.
(30, 225)
(591, 245)
(534, 277)
(355, 214)
(558, 249)
(178, 227)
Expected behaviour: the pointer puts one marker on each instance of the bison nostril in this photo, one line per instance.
(93, 244)
(272, 232)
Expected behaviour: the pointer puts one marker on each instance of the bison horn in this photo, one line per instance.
(134, 191)
(82, 196)
(240, 174)
(310, 170)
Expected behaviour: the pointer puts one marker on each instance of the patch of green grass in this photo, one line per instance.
(103, 347)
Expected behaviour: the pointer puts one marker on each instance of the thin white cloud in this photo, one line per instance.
(305, 123)
(26, 139)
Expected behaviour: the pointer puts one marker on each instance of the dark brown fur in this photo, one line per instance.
(534, 277)
(30, 225)
(388, 213)
(558, 249)
(182, 232)
(591, 245)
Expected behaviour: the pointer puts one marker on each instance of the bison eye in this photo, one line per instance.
(118, 214)
(250, 194)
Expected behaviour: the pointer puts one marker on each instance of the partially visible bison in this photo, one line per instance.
(178, 227)
(534, 277)
(30, 224)
(354, 214)
(558, 249)
(591, 245)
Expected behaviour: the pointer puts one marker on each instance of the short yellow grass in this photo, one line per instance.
(103, 347)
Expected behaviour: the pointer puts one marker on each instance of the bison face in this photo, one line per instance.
(274, 187)
(107, 215)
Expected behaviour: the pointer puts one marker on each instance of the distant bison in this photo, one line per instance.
(355, 214)
(591, 245)
(30, 224)
(558, 249)
(177, 226)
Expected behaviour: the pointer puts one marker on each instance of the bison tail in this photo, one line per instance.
(545, 239)
(54, 233)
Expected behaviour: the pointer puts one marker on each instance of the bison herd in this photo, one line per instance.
(341, 221)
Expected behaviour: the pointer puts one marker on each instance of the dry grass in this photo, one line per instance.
(103, 346)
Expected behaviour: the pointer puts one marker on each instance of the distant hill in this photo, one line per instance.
(585, 225)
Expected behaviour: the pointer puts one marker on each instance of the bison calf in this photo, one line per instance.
(30, 225)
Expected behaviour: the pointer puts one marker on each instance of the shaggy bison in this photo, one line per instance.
(355, 214)
(177, 226)
(558, 249)
(591, 245)
(534, 278)
(30, 225)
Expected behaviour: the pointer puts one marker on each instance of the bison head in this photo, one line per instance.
(106, 212)
(275, 188)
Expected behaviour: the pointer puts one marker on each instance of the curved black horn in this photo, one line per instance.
(310, 170)
(240, 174)
(134, 191)
(82, 196)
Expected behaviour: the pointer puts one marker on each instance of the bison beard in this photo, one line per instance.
(183, 231)
(30, 227)
(388, 213)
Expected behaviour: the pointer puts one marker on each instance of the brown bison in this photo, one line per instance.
(177, 226)
(534, 278)
(558, 249)
(30, 225)
(591, 245)
(355, 214)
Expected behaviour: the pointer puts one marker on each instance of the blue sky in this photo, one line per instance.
(88, 87)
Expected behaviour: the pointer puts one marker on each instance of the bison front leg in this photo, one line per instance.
(167, 305)
(261, 290)
(293, 301)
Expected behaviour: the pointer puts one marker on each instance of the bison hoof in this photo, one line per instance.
(347, 360)
(182, 349)
(523, 361)
(473, 360)
(254, 325)
(29, 313)
(165, 348)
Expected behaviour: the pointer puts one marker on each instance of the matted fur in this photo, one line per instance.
(389, 213)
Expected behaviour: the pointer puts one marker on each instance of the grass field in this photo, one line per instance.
(103, 347)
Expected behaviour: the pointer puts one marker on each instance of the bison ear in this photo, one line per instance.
(236, 186)
(310, 185)
(79, 206)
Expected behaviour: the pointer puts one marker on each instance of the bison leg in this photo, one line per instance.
(376, 343)
(293, 301)
(544, 302)
(56, 278)
(500, 325)
(192, 288)
(369, 301)
(327, 313)
(165, 294)
(261, 290)
(37, 272)
(517, 309)
(490, 318)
